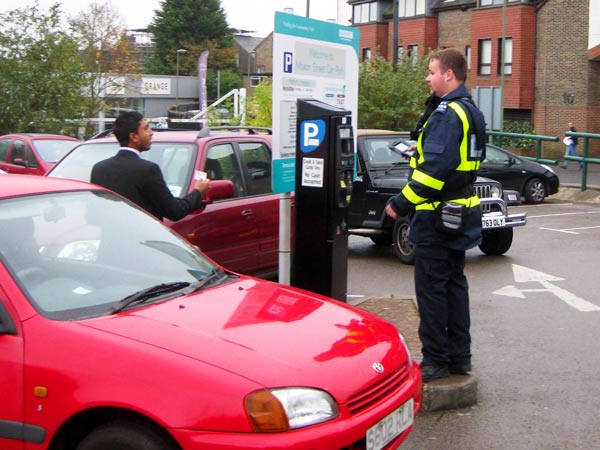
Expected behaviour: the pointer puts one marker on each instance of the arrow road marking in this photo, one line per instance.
(524, 274)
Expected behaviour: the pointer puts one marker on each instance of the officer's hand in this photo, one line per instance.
(202, 185)
(409, 152)
(390, 212)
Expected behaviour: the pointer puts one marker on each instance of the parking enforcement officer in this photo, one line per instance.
(446, 216)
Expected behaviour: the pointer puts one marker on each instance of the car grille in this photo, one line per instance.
(484, 191)
(379, 390)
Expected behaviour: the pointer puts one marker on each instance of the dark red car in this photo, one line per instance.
(32, 153)
(240, 232)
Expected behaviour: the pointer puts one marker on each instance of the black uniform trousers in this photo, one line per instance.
(443, 299)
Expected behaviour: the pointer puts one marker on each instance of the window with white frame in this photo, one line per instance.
(484, 64)
(365, 13)
(411, 8)
(505, 56)
(468, 55)
(366, 54)
(499, 2)
(413, 54)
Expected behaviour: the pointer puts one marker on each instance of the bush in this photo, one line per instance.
(512, 126)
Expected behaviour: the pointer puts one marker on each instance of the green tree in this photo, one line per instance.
(106, 53)
(391, 99)
(39, 68)
(259, 106)
(195, 25)
(226, 81)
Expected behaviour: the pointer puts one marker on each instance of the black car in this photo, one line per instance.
(382, 172)
(534, 181)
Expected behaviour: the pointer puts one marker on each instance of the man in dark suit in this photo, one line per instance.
(139, 180)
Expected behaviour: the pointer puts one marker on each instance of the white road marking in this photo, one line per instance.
(563, 214)
(523, 274)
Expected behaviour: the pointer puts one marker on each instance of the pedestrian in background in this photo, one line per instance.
(447, 214)
(571, 146)
(140, 180)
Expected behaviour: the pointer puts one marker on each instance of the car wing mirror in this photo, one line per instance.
(219, 190)
(19, 162)
(511, 161)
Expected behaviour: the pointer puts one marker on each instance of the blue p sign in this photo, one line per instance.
(288, 62)
(312, 133)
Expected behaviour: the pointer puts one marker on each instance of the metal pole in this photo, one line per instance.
(395, 51)
(181, 50)
(307, 8)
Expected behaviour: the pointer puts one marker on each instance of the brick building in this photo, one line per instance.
(551, 62)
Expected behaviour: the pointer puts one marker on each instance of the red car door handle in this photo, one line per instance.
(247, 212)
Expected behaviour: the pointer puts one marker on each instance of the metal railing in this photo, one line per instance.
(535, 137)
(585, 159)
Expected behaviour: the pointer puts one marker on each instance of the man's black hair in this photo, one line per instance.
(127, 122)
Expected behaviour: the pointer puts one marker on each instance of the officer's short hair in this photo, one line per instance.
(127, 122)
(452, 58)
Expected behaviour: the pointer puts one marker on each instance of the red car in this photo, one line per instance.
(31, 153)
(240, 232)
(117, 333)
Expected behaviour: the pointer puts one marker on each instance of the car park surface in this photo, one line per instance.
(117, 333)
(534, 181)
(33, 153)
(239, 230)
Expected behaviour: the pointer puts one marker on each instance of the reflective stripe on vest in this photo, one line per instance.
(465, 165)
(468, 202)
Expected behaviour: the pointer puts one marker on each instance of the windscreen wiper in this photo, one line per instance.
(212, 276)
(148, 293)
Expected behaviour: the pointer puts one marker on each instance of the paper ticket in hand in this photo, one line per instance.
(200, 175)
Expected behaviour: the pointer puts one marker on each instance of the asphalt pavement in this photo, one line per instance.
(459, 391)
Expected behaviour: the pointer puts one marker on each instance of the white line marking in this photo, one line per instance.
(558, 231)
(563, 214)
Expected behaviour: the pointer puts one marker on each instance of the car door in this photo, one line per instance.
(503, 167)
(226, 230)
(4, 147)
(256, 160)
(22, 160)
(11, 376)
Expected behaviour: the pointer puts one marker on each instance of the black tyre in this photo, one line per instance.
(127, 435)
(534, 191)
(382, 239)
(496, 242)
(403, 248)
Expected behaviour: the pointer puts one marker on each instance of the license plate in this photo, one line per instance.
(492, 222)
(390, 427)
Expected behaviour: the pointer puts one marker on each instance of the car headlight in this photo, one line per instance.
(548, 168)
(496, 191)
(406, 347)
(284, 409)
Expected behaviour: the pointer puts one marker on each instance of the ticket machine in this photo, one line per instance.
(324, 174)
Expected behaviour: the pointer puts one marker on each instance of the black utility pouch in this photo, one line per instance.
(450, 217)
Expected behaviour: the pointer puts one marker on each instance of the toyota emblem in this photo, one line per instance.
(378, 367)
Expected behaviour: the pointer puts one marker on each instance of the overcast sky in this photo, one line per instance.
(244, 14)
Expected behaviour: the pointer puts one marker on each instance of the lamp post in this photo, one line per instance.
(179, 51)
(251, 54)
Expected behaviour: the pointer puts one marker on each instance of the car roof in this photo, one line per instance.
(41, 136)
(166, 135)
(375, 132)
(21, 185)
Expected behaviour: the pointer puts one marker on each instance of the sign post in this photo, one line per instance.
(311, 59)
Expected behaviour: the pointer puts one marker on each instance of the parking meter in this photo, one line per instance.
(324, 174)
